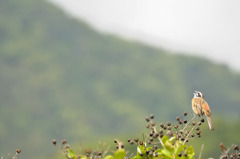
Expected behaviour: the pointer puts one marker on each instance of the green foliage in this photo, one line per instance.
(162, 144)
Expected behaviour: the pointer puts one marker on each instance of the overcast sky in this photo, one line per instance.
(207, 28)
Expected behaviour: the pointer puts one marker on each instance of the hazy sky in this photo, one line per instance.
(208, 28)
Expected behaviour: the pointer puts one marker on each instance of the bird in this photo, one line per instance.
(201, 107)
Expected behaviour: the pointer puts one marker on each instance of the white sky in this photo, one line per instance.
(208, 28)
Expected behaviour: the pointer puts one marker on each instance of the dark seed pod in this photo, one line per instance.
(162, 125)
(202, 120)
(147, 125)
(54, 141)
(18, 151)
(177, 118)
(115, 141)
(152, 116)
(160, 131)
(185, 121)
(168, 124)
(185, 113)
(175, 126)
(236, 147)
(194, 123)
(180, 155)
(197, 128)
(64, 142)
(136, 139)
(147, 119)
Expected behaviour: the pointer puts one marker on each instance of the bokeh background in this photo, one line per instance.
(90, 71)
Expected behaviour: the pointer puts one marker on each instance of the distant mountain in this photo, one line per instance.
(61, 79)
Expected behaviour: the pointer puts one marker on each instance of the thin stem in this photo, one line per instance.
(189, 122)
(159, 138)
(201, 152)
(188, 135)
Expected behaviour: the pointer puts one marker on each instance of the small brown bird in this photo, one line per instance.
(200, 107)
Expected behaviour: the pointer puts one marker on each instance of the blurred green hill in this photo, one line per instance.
(61, 79)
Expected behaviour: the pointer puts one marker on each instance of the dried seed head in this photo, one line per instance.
(64, 142)
(199, 124)
(147, 119)
(223, 148)
(197, 128)
(162, 125)
(177, 118)
(202, 120)
(156, 135)
(194, 123)
(152, 116)
(54, 141)
(185, 121)
(131, 142)
(175, 126)
(88, 151)
(180, 155)
(168, 124)
(161, 131)
(185, 113)
(147, 125)
(198, 132)
(18, 151)
(151, 139)
(180, 122)
(67, 146)
(136, 139)
(153, 123)
(140, 142)
(115, 141)
(236, 147)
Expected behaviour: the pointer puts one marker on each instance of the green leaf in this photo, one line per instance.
(190, 152)
(70, 154)
(178, 147)
(167, 153)
(108, 157)
(141, 149)
(120, 154)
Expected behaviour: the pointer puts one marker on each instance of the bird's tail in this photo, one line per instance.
(210, 122)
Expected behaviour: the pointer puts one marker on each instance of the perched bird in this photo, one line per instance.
(200, 107)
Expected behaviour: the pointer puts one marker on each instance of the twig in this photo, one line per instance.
(200, 154)
(188, 135)
(189, 122)
(159, 138)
